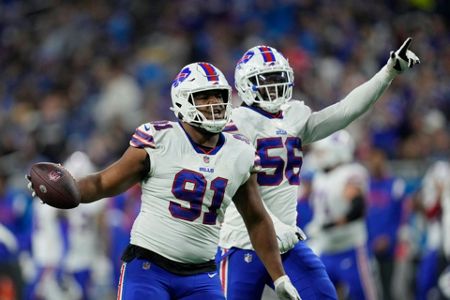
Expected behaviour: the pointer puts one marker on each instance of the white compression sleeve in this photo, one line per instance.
(337, 116)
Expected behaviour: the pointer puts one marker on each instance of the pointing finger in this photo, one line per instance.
(402, 50)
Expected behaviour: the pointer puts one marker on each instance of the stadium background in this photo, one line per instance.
(81, 75)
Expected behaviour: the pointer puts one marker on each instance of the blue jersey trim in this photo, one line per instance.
(202, 150)
(278, 115)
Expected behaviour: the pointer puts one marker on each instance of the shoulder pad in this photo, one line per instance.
(143, 137)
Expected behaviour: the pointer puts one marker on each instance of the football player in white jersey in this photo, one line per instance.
(83, 228)
(435, 201)
(46, 231)
(338, 230)
(189, 173)
(278, 128)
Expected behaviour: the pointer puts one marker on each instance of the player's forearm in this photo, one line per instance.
(91, 188)
(116, 178)
(259, 226)
(94, 187)
(355, 104)
(263, 238)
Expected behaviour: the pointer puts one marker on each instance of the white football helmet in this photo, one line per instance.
(263, 76)
(198, 77)
(335, 149)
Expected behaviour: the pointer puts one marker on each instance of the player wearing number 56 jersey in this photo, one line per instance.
(189, 173)
(278, 128)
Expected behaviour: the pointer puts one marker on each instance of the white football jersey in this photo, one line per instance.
(83, 241)
(329, 204)
(187, 191)
(83, 244)
(47, 238)
(278, 140)
(437, 174)
(446, 217)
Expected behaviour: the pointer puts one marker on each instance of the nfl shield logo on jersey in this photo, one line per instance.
(206, 159)
(146, 265)
(248, 257)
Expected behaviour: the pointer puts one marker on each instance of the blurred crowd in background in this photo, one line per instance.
(82, 75)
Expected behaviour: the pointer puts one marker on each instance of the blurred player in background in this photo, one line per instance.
(434, 199)
(338, 229)
(383, 216)
(81, 230)
(47, 253)
(444, 277)
(189, 171)
(279, 128)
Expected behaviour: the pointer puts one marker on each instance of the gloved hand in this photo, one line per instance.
(285, 290)
(403, 58)
(287, 236)
(30, 186)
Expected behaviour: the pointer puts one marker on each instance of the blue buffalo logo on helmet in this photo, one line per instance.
(181, 76)
(246, 57)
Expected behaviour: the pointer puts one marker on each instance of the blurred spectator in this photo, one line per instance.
(383, 216)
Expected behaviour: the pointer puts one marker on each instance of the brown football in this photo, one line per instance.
(54, 185)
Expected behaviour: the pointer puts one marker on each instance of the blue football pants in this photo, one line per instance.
(244, 276)
(141, 279)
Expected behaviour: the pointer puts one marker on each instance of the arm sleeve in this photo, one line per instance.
(337, 116)
(356, 211)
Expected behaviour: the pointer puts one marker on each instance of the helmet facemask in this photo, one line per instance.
(272, 90)
(210, 116)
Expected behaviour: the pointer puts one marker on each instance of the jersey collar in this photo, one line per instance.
(205, 150)
(278, 115)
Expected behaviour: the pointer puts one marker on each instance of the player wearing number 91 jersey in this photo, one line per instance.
(187, 190)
